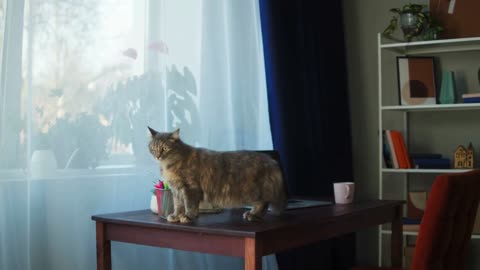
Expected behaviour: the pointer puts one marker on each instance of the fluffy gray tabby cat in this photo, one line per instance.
(225, 179)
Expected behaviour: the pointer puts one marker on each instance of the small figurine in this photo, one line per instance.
(464, 158)
(460, 157)
(470, 161)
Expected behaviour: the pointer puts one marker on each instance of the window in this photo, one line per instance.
(82, 70)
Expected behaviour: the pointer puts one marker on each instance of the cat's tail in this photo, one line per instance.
(277, 208)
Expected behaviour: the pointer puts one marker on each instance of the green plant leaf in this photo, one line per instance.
(395, 10)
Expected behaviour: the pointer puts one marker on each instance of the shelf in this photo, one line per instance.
(424, 170)
(434, 107)
(433, 46)
(474, 236)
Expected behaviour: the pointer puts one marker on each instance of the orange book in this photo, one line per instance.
(392, 149)
(397, 144)
(403, 147)
(405, 151)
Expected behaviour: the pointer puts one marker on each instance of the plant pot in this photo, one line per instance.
(408, 23)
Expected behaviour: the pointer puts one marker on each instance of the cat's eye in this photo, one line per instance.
(164, 148)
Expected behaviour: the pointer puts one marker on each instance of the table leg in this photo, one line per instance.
(253, 257)
(397, 238)
(104, 261)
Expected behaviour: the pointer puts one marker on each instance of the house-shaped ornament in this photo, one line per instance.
(460, 157)
(470, 160)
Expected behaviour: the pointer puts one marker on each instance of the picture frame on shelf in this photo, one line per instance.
(416, 80)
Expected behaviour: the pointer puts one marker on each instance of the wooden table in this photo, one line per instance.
(228, 234)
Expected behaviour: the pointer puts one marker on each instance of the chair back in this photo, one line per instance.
(447, 223)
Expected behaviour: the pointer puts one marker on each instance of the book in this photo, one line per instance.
(425, 155)
(411, 227)
(432, 163)
(387, 154)
(411, 224)
(471, 95)
(407, 220)
(471, 100)
(392, 149)
(403, 147)
(397, 144)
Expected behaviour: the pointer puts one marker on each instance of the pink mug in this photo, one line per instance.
(344, 192)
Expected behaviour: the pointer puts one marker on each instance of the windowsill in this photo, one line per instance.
(101, 171)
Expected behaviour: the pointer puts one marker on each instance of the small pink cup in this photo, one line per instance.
(344, 192)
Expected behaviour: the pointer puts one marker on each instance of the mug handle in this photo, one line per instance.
(349, 193)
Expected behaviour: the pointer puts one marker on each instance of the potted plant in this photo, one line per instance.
(414, 22)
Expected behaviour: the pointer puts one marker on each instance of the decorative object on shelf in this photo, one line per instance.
(459, 18)
(464, 158)
(460, 157)
(416, 80)
(415, 21)
(447, 89)
(470, 162)
(416, 202)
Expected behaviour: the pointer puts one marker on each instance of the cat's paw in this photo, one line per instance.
(251, 217)
(185, 219)
(173, 218)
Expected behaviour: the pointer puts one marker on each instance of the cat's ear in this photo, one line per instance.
(175, 135)
(152, 131)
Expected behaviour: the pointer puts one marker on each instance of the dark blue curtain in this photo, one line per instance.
(309, 111)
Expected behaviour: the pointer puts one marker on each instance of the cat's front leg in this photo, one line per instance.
(192, 197)
(178, 207)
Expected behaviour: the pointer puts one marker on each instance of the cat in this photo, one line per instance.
(225, 179)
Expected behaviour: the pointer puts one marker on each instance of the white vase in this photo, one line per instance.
(43, 164)
(153, 204)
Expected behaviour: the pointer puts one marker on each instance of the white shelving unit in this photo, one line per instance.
(414, 48)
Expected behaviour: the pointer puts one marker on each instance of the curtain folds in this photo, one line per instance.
(309, 112)
(78, 89)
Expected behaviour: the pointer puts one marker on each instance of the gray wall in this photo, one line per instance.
(430, 131)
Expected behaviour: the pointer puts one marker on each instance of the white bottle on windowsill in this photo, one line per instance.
(43, 164)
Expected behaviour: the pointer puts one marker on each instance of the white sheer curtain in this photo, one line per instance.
(79, 82)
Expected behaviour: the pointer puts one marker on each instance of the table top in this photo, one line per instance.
(230, 222)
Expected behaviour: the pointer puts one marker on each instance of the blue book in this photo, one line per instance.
(425, 155)
(432, 163)
(407, 220)
(471, 100)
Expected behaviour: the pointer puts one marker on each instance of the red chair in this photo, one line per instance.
(447, 224)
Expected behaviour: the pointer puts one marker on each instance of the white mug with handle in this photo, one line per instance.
(344, 192)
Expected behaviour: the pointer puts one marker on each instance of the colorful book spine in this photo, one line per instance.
(432, 163)
(471, 95)
(425, 155)
(471, 100)
(397, 144)
(387, 153)
(403, 148)
(392, 149)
